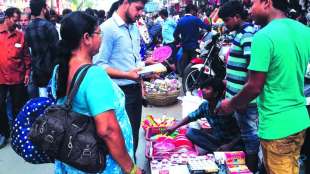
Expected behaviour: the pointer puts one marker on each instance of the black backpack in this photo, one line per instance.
(68, 136)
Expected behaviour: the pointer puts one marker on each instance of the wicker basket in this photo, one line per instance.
(162, 99)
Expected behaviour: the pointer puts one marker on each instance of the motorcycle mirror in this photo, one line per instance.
(197, 50)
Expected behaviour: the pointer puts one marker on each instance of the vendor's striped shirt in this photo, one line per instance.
(238, 60)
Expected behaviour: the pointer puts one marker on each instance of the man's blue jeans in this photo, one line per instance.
(248, 124)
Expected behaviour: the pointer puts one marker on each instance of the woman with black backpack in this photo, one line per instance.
(97, 95)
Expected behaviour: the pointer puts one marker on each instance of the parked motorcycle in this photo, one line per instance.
(210, 63)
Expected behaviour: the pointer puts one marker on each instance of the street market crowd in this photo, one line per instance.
(259, 106)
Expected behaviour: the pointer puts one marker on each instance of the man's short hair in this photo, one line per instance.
(282, 5)
(216, 83)
(66, 11)
(231, 9)
(90, 12)
(11, 11)
(130, 1)
(163, 12)
(27, 15)
(190, 7)
(101, 14)
(36, 6)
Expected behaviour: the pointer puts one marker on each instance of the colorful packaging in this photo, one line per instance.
(238, 169)
(237, 157)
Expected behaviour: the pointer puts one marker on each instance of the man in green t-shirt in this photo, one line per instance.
(279, 56)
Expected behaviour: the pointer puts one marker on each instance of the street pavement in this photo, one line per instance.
(11, 163)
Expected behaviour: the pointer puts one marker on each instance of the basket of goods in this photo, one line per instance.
(162, 92)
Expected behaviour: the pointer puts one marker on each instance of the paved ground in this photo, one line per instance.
(11, 163)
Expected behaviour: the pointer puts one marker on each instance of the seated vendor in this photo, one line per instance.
(225, 134)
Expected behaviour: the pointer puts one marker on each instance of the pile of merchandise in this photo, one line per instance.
(162, 86)
(161, 145)
(159, 123)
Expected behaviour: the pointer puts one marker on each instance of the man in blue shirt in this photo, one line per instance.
(168, 29)
(119, 55)
(188, 27)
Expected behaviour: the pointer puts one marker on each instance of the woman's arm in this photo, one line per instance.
(109, 130)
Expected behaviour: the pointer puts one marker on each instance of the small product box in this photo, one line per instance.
(236, 158)
(155, 68)
(202, 165)
(238, 169)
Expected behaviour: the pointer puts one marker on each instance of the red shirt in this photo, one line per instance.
(14, 57)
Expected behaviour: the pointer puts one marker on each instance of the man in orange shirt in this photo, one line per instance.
(14, 69)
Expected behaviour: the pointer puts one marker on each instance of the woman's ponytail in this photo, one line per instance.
(63, 58)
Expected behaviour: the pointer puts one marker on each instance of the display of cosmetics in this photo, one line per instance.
(202, 164)
(234, 162)
(194, 163)
(161, 166)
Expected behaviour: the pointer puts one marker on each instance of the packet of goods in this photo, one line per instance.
(151, 122)
(237, 157)
(204, 124)
(156, 68)
(202, 165)
(159, 136)
(238, 169)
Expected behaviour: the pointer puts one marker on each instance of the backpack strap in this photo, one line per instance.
(76, 82)
(75, 77)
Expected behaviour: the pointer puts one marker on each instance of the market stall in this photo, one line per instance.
(175, 153)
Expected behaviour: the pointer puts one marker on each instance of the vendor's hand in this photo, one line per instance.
(26, 80)
(152, 76)
(170, 67)
(225, 108)
(171, 129)
(149, 61)
(133, 74)
(224, 147)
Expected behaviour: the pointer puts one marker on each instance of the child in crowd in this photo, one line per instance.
(224, 134)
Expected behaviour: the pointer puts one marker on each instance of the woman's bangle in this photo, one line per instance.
(133, 169)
